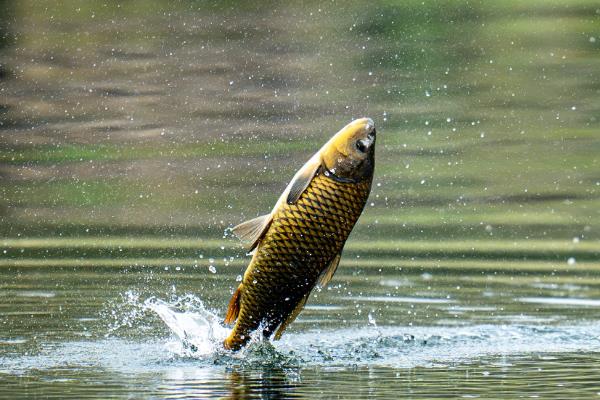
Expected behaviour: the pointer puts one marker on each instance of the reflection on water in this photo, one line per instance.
(133, 134)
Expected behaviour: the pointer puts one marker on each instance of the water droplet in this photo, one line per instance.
(372, 320)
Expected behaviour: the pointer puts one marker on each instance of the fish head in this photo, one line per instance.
(350, 153)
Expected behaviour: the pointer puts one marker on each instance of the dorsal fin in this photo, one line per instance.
(234, 306)
(299, 307)
(328, 272)
(302, 179)
(250, 232)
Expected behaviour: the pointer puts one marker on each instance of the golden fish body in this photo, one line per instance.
(300, 242)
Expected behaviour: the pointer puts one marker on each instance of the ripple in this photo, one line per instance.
(12, 341)
(388, 346)
(35, 293)
(561, 301)
(323, 307)
(397, 299)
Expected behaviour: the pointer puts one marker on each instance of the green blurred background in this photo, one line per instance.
(137, 132)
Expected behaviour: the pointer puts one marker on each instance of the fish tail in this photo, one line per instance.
(234, 341)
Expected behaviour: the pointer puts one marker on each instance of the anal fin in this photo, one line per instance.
(299, 307)
(328, 272)
(234, 306)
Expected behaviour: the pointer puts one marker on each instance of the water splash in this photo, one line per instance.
(198, 329)
(200, 335)
(124, 314)
(197, 333)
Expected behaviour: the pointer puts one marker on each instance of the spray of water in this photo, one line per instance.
(198, 329)
(197, 333)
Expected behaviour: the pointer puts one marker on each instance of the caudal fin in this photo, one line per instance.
(234, 342)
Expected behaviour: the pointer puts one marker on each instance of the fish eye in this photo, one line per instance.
(360, 145)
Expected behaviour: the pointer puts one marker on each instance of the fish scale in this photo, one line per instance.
(301, 242)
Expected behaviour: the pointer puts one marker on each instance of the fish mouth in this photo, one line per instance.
(362, 128)
(357, 125)
(369, 126)
(366, 123)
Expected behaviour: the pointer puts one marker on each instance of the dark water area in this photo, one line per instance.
(133, 134)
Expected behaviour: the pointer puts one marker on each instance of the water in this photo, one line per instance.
(115, 332)
(133, 135)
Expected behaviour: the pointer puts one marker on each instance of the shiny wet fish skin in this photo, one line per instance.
(299, 243)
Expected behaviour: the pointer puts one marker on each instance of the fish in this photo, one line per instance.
(298, 245)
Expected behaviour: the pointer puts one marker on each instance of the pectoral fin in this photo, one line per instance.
(299, 307)
(303, 179)
(250, 232)
(327, 274)
(234, 306)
